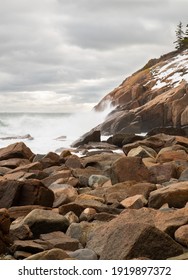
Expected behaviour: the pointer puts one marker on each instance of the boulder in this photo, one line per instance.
(181, 235)
(92, 136)
(73, 162)
(134, 202)
(142, 152)
(44, 221)
(135, 240)
(166, 155)
(176, 195)
(163, 172)
(50, 159)
(84, 254)
(16, 150)
(52, 254)
(4, 230)
(30, 246)
(129, 168)
(14, 162)
(58, 239)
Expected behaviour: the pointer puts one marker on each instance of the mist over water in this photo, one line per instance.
(45, 128)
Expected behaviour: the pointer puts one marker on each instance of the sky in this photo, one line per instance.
(66, 55)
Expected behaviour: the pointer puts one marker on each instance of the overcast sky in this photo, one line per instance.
(65, 55)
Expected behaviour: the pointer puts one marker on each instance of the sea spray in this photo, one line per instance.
(47, 128)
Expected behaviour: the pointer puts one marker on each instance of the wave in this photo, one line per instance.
(49, 131)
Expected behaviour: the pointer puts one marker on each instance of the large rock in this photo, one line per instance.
(45, 221)
(17, 150)
(93, 136)
(166, 221)
(135, 240)
(53, 254)
(176, 195)
(4, 230)
(129, 168)
(16, 193)
(181, 235)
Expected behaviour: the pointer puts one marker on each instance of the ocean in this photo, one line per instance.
(49, 132)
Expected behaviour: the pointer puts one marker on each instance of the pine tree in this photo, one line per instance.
(186, 31)
(179, 36)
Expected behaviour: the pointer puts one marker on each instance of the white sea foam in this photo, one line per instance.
(46, 128)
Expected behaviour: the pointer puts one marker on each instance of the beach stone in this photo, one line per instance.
(58, 239)
(91, 136)
(73, 207)
(80, 231)
(166, 221)
(27, 167)
(166, 155)
(163, 172)
(16, 150)
(71, 217)
(142, 152)
(34, 192)
(176, 195)
(88, 214)
(4, 170)
(73, 162)
(9, 192)
(97, 180)
(134, 202)
(134, 240)
(21, 211)
(83, 174)
(120, 139)
(45, 221)
(15, 193)
(64, 189)
(4, 230)
(14, 162)
(131, 188)
(102, 161)
(27, 246)
(52, 254)
(50, 159)
(184, 175)
(66, 173)
(84, 254)
(181, 235)
(129, 168)
(180, 257)
(20, 231)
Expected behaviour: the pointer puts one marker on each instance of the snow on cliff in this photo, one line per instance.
(172, 73)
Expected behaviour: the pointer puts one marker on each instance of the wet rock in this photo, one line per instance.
(93, 136)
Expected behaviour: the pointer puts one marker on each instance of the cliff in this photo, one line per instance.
(154, 96)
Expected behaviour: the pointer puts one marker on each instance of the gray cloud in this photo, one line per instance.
(74, 52)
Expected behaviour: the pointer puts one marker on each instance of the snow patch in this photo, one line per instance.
(172, 73)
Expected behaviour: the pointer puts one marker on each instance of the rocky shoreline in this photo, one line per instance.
(126, 198)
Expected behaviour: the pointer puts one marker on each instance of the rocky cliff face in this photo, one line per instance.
(155, 96)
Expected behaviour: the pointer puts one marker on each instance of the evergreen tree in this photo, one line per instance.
(179, 36)
(186, 31)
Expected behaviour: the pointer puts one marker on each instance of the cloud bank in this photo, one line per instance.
(65, 56)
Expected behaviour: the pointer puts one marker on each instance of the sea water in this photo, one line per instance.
(49, 131)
